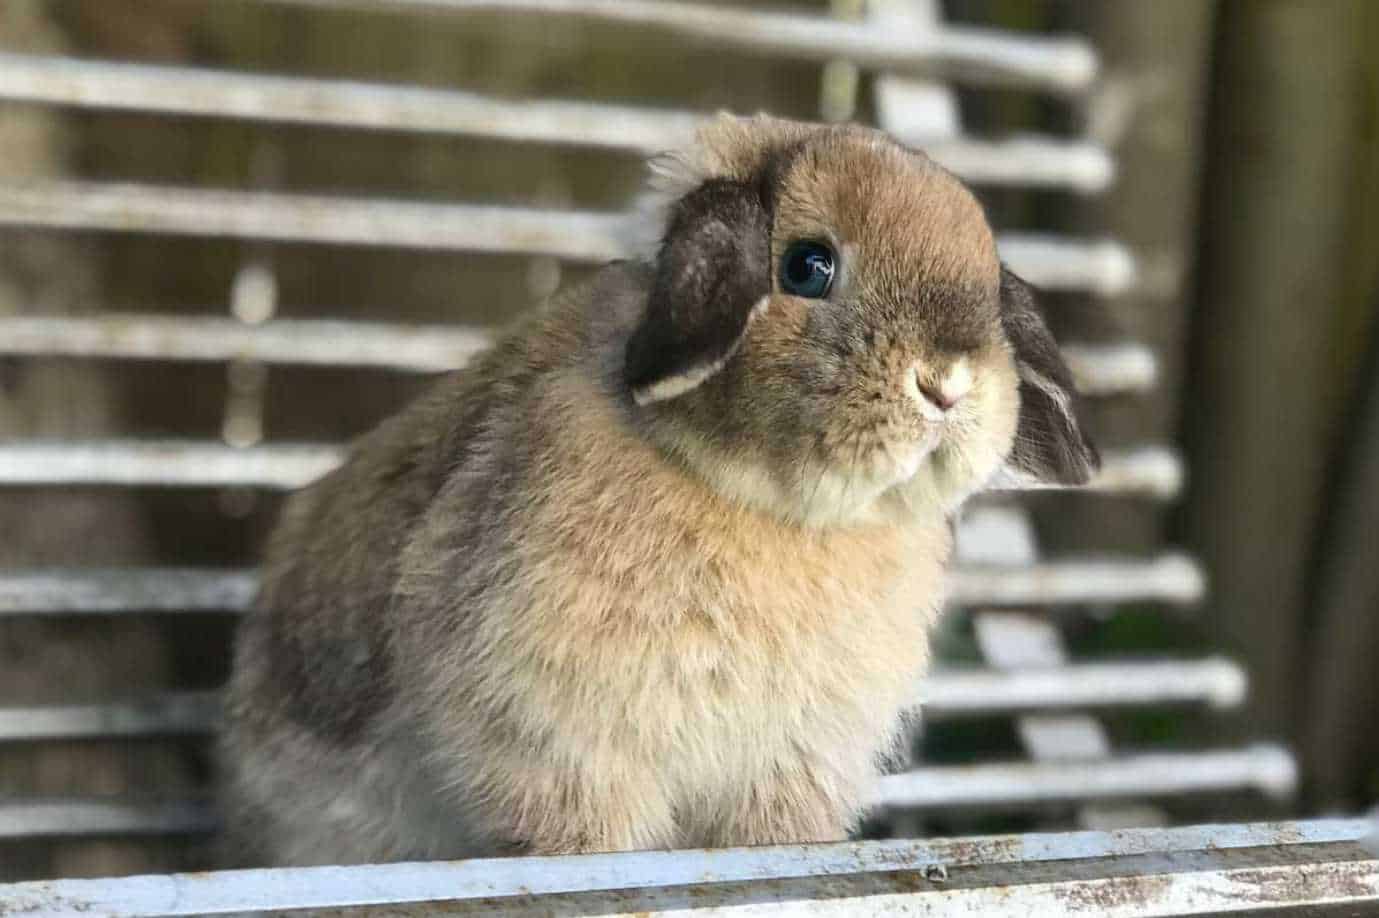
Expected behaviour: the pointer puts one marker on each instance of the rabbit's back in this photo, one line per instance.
(315, 685)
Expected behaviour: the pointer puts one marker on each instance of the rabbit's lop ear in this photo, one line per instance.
(1050, 447)
(713, 275)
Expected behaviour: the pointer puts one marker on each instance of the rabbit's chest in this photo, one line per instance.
(660, 620)
(730, 641)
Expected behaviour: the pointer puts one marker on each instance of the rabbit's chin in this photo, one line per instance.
(852, 491)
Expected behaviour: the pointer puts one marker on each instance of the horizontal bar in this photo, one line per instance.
(1099, 369)
(48, 818)
(1218, 682)
(190, 463)
(118, 207)
(1312, 851)
(169, 714)
(1102, 369)
(1266, 769)
(1169, 578)
(1049, 262)
(337, 103)
(947, 693)
(1148, 471)
(306, 342)
(970, 55)
(1104, 268)
(1025, 161)
(165, 463)
(87, 590)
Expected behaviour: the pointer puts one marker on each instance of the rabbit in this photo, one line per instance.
(658, 569)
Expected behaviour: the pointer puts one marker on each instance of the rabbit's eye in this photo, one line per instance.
(807, 269)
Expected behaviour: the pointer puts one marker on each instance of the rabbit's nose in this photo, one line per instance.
(945, 390)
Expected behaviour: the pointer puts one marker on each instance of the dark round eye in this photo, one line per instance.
(807, 269)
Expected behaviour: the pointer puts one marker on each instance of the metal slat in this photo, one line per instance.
(1170, 578)
(61, 817)
(1047, 261)
(309, 342)
(1024, 161)
(1217, 682)
(168, 463)
(1099, 369)
(1191, 870)
(118, 207)
(1263, 768)
(963, 54)
(1150, 471)
(171, 714)
(88, 590)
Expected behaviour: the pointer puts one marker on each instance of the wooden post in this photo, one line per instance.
(1268, 365)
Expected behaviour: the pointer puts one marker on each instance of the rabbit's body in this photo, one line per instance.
(581, 597)
(651, 666)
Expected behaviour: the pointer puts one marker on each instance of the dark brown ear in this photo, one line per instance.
(1049, 443)
(713, 271)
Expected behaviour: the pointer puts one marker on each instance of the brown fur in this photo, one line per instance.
(534, 614)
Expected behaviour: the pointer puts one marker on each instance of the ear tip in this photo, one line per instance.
(1084, 464)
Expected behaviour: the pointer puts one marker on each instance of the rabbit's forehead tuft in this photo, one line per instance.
(907, 221)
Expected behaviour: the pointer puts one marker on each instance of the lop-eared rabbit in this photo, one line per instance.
(657, 570)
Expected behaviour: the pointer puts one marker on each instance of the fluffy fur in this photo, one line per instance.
(658, 570)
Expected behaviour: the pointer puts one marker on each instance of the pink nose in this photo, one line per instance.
(941, 399)
(948, 390)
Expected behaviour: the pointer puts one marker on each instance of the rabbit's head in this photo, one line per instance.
(830, 334)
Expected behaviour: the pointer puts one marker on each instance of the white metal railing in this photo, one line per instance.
(963, 54)
(1028, 675)
(1268, 769)
(1099, 369)
(67, 817)
(947, 694)
(1167, 578)
(1020, 161)
(1134, 873)
(1149, 471)
(1046, 261)
(1015, 785)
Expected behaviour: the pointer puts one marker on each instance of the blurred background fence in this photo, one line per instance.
(235, 233)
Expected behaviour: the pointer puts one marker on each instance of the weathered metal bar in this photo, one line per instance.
(1105, 268)
(1099, 369)
(1190, 871)
(964, 54)
(1170, 577)
(50, 817)
(119, 207)
(1263, 768)
(1024, 161)
(130, 590)
(946, 694)
(1105, 369)
(191, 463)
(1149, 471)
(166, 463)
(307, 342)
(1046, 261)
(127, 590)
(170, 714)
